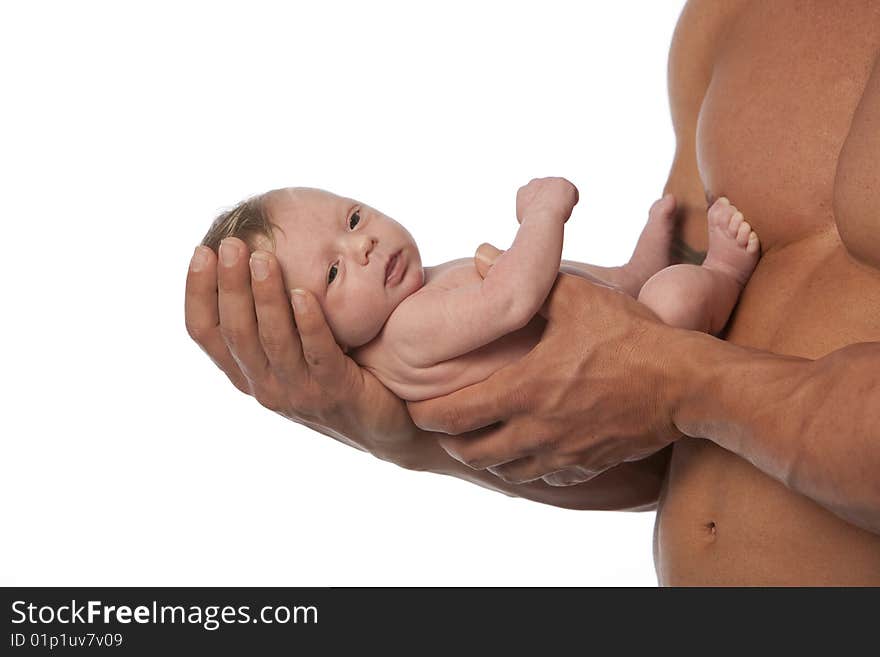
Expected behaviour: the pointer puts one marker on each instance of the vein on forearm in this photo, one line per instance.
(813, 425)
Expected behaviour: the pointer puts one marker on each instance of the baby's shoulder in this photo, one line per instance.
(413, 305)
(452, 274)
(438, 281)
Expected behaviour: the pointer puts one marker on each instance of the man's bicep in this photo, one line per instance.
(700, 29)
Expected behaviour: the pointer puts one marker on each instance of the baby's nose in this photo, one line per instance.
(364, 248)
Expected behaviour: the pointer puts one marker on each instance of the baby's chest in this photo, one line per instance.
(415, 383)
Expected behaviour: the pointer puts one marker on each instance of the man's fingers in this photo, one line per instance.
(532, 468)
(278, 334)
(492, 446)
(485, 258)
(238, 320)
(202, 317)
(569, 477)
(520, 471)
(324, 359)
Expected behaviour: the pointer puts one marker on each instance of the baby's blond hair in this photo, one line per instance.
(248, 221)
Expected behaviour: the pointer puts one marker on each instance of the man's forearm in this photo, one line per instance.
(631, 486)
(378, 423)
(813, 425)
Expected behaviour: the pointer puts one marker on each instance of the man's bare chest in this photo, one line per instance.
(785, 85)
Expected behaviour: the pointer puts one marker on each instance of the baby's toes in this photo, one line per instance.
(719, 213)
(743, 232)
(754, 244)
(736, 222)
(663, 207)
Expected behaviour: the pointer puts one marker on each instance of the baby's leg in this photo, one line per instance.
(652, 250)
(702, 298)
(650, 255)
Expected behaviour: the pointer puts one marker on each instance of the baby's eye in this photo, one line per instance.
(354, 219)
(332, 274)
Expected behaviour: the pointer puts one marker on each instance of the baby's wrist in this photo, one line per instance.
(545, 216)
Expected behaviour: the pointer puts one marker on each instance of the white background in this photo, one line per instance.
(127, 457)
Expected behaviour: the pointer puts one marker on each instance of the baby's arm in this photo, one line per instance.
(444, 324)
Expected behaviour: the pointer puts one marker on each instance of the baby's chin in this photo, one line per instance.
(420, 280)
(349, 340)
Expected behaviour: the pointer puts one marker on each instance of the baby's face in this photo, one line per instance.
(357, 262)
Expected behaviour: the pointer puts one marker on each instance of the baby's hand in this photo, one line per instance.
(546, 197)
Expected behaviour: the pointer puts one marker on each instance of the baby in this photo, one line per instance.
(424, 332)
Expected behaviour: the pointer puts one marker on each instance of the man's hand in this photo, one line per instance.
(595, 392)
(241, 317)
(553, 198)
(243, 321)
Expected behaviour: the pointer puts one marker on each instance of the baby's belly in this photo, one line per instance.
(416, 384)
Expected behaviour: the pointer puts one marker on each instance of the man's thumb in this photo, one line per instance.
(485, 257)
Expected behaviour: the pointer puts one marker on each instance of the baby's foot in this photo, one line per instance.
(652, 250)
(733, 245)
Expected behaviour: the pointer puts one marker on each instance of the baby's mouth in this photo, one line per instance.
(394, 269)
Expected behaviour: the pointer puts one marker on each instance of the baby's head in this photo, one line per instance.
(357, 262)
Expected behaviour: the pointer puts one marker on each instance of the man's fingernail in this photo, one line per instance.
(298, 297)
(199, 259)
(259, 266)
(228, 253)
(482, 257)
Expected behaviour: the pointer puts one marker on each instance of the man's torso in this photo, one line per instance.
(788, 78)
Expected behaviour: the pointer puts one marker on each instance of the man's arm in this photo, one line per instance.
(813, 425)
(634, 385)
(245, 326)
(626, 487)
(449, 323)
(244, 322)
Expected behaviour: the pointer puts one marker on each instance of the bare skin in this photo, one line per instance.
(771, 473)
(776, 482)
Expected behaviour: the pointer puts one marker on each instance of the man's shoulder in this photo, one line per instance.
(703, 26)
(710, 13)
